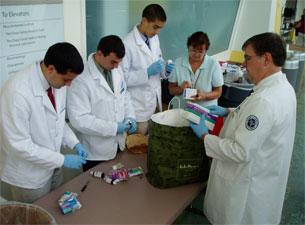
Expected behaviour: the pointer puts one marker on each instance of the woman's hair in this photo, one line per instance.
(198, 39)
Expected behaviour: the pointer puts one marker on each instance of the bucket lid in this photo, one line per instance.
(299, 55)
(291, 64)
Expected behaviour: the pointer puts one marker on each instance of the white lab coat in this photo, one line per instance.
(31, 131)
(250, 168)
(94, 110)
(145, 92)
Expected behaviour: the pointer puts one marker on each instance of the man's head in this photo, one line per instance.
(265, 54)
(62, 64)
(153, 19)
(110, 52)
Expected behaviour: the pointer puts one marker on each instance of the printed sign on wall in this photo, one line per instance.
(26, 33)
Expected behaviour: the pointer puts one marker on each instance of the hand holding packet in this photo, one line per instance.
(193, 112)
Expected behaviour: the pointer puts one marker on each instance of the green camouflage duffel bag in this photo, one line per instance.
(176, 156)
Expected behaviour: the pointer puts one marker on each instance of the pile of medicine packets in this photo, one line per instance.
(117, 174)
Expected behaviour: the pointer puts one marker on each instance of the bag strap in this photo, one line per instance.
(169, 104)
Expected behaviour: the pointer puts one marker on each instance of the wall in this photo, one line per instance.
(119, 17)
(300, 7)
(74, 24)
(254, 17)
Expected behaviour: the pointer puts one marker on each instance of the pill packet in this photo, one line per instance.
(69, 203)
(118, 174)
(112, 181)
(135, 171)
(188, 93)
(117, 166)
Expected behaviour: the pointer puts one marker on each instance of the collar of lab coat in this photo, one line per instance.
(38, 88)
(96, 75)
(267, 80)
(140, 42)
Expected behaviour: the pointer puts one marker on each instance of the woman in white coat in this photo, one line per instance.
(98, 103)
(143, 65)
(32, 130)
(251, 156)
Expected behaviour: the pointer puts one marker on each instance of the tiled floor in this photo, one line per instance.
(293, 210)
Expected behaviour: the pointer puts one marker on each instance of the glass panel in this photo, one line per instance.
(184, 17)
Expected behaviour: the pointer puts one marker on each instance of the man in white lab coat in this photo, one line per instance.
(251, 156)
(33, 127)
(143, 65)
(99, 105)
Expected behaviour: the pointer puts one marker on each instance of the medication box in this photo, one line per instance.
(189, 92)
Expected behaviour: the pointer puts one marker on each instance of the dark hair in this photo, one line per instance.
(65, 58)
(111, 43)
(268, 42)
(154, 12)
(198, 39)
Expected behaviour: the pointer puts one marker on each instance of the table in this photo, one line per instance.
(134, 201)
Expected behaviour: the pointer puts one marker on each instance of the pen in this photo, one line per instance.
(85, 186)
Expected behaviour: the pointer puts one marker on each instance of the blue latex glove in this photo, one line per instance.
(201, 128)
(133, 125)
(169, 67)
(155, 68)
(80, 150)
(217, 110)
(122, 127)
(74, 161)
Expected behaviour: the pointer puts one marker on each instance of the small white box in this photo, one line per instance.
(189, 92)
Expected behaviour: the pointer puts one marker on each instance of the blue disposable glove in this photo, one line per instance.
(122, 127)
(133, 125)
(80, 150)
(74, 161)
(201, 128)
(217, 110)
(155, 68)
(169, 67)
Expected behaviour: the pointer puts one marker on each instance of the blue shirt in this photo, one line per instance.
(207, 76)
(145, 39)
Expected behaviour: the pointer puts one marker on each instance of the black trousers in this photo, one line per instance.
(92, 163)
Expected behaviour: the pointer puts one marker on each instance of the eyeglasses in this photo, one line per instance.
(248, 57)
(200, 52)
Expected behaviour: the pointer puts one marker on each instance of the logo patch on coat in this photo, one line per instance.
(252, 122)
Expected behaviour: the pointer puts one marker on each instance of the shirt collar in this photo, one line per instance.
(186, 63)
(99, 68)
(267, 80)
(142, 35)
(44, 82)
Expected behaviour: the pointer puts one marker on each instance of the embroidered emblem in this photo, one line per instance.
(252, 122)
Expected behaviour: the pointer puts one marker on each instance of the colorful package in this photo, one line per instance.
(118, 174)
(193, 112)
(135, 171)
(69, 203)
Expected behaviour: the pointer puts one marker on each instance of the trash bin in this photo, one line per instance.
(291, 68)
(301, 57)
(234, 93)
(23, 213)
